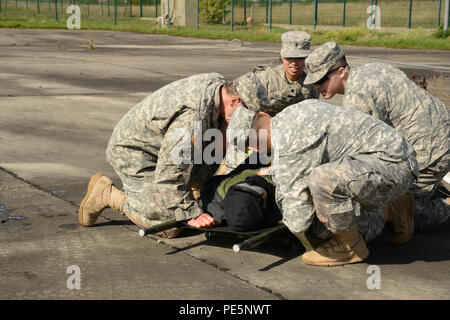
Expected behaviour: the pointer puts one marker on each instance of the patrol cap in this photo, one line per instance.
(295, 44)
(251, 91)
(321, 60)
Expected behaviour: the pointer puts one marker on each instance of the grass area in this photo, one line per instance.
(393, 13)
(357, 36)
(411, 39)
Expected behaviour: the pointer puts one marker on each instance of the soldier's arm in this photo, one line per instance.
(173, 171)
(296, 206)
(369, 99)
(302, 154)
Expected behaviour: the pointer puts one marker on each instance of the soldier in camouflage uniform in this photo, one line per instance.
(283, 83)
(340, 166)
(386, 93)
(146, 140)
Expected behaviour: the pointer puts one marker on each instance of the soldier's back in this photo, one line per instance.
(388, 94)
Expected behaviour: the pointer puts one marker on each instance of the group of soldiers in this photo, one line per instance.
(340, 172)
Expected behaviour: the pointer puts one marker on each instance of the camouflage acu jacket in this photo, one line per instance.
(311, 133)
(151, 132)
(281, 91)
(386, 93)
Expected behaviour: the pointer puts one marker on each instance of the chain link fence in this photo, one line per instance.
(235, 13)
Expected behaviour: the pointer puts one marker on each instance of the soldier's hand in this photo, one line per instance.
(202, 221)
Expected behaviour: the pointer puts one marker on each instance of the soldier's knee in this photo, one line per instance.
(320, 183)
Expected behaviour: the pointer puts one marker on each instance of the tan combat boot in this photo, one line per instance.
(343, 248)
(101, 194)
(400, 214)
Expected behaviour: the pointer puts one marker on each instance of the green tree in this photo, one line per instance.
(213, 11)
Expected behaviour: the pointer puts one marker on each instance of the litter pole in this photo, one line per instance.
(256, 240)
(173, 223)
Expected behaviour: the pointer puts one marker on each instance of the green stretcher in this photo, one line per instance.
(252, 238)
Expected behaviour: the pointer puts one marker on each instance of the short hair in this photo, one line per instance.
(260, 121)
(341, 63)
(231, 89)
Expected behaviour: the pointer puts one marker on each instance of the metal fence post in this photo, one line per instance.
(270, 17)
(267, 11)
(343, 13)
(438, 21)
(446, 14)
(115, 12)
(245, 11)
(156, 8)
(198, 14)
(410, 14)
(232, 14)
(290, 11)
(315, 12)
(108, 9)
(371, 12)
(56, 10)
(375, 15)
(0, 6)
(140, 7)
(38, 7)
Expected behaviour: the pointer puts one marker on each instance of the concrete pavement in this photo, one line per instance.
(59, 103)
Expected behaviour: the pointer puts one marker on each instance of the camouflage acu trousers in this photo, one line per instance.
(356, 191)
(143, 204)
(430, 210)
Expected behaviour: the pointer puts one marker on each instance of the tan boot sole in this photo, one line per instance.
(89, 190)
(334, 263)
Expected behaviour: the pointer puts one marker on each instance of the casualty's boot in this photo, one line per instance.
(343, 248)
(400, 214)
(101, 194)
